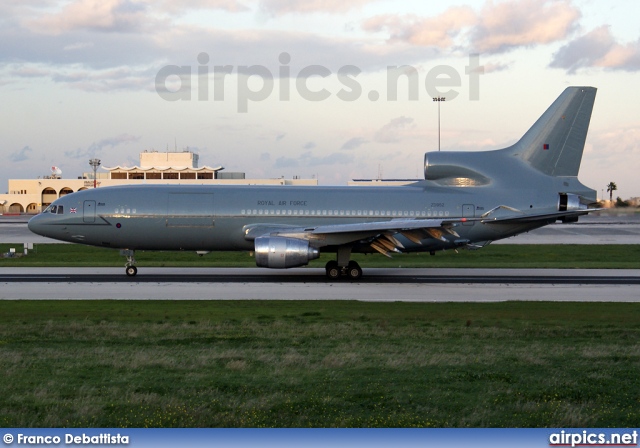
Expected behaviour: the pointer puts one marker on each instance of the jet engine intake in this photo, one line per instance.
(453, 169)
(280, 253)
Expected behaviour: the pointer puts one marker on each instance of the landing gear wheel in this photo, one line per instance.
(333, 270)
(354, 271)
(129, 267)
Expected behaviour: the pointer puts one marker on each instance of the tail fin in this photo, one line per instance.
(554, 144)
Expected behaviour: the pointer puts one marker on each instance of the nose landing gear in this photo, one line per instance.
(130, 269)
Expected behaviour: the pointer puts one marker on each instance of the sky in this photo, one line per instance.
(332, 89)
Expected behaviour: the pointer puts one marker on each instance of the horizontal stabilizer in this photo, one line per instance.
(540, 217)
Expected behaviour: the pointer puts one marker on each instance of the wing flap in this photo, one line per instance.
(378, 232)
(398, 225)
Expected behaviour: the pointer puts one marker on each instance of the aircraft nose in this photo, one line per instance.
(35, 225)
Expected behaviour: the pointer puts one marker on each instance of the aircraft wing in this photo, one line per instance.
(395, 224)
(378, 234)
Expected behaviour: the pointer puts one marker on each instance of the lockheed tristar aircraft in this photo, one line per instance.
(467, 200)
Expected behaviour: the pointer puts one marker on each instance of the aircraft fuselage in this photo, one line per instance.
(209, 218)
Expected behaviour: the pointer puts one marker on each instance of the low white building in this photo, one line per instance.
(33, 195)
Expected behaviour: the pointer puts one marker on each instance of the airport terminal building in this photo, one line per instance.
(33, 195)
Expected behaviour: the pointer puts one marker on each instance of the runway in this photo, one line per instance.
(416, 285)
(425, 285)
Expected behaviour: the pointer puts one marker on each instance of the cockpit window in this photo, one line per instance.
(53, 209)
(60, 210)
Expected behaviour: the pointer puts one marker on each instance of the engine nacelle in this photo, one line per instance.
(280, 253)
(570, 202)
(461, 169)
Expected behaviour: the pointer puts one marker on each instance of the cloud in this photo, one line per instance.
(182, 6)
(439, 31)
(307, 159)
(597, 48)
(523, 23)
(77, 42)
(281, 7)
(280, 136)
(30, 72)
(336, 158)
(96, 15)
(96, 147)
(78, 46)
(619, 144)
(353, 143)
(491, 67)
(498, 27)
(286, 162)
(117, 79)
(392, 131)
(21, 155)
(309, 145)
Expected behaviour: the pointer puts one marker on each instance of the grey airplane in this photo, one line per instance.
(467, 200)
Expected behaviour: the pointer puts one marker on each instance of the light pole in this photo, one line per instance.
(95, 163)
(439, 99)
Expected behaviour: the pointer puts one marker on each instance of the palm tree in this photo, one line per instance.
(611, 187)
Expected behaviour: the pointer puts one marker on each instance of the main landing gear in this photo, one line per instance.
(129, 267)
(343, 267)
(334, 272)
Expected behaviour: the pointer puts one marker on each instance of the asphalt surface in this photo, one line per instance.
(410, 285)
(316, 276)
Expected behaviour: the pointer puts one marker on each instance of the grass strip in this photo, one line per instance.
(318, 364)
(495, 256)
